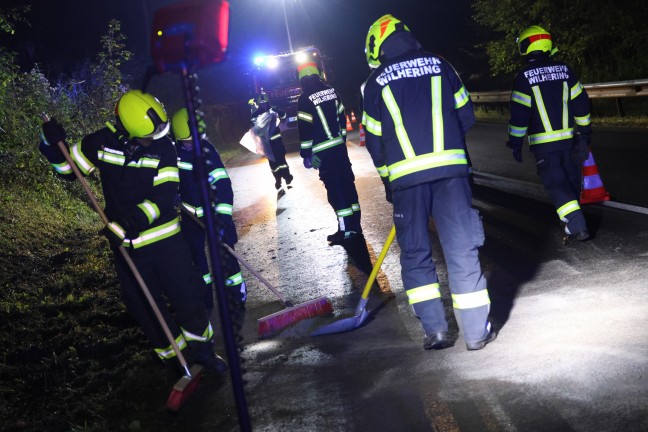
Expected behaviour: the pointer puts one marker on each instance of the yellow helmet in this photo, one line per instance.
(378, 32)
(534, 38)
(180, 125)
(142, 115)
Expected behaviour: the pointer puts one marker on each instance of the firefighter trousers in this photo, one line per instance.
(561, 177)
(460, 231)
(339, 181)
(170, 276)
(196, 238)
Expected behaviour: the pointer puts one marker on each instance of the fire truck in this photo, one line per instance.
(277, 76)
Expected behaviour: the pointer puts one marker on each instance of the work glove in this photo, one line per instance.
(316, 161)
(52, 132)
(388, 191)
(516, 149)
(308, 164)
(580, 151)
(114, 239)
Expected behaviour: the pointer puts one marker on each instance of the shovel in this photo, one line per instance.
(360, 316)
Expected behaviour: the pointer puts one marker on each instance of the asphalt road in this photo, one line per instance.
(572, 350)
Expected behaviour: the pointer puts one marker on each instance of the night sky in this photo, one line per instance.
(64, 32)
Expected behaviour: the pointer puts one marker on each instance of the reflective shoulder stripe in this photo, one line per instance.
(150, 209)
(168, 174)
(461, 97)
(471, 300)
(427, 161)
(576, 90)
(423, 293)
(521, 98)
(567, 208)
(305, 116)
(81, 160)
(437, 115)
(565, 106)
(401, 133)
(542, 110)
(372, 125)
(325, 125)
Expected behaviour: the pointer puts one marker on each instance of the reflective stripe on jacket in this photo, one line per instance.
(416, 113)
(548, 103)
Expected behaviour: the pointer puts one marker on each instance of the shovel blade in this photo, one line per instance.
(343, 325)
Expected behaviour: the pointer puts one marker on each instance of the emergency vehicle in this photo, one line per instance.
(277, 76)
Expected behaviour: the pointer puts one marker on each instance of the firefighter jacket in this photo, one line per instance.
(139, 183)
(416, 113)
(547, 103)
(190, 187)
(321, 120)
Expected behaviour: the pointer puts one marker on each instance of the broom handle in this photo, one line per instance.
(127, 258)
(381, 257)
(240, 259)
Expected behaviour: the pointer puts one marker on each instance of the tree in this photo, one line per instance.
(601, 40)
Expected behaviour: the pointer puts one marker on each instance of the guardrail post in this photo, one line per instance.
(619, 104)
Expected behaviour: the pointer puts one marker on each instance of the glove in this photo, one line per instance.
(114, 239)
(517, 150)
(580, 151)
(52, 132)
(308, 162)
(388, 191)
(316, 161)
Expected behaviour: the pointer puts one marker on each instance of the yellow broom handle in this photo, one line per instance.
(381, 257)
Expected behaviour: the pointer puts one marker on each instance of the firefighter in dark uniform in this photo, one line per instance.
(279, 167)
(138, 168)
(322, 134)
(416, 114)
(191, 197)
(549, 104)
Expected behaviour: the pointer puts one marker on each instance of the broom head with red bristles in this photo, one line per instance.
(272, 324)
(184, 388)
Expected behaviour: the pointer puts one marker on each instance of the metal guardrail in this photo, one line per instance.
(617, 89)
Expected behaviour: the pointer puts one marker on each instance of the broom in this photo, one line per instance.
(274, 323)
(186, 385)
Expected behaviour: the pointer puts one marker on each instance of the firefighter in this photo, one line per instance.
(191, 197)
(549, 104)
(416, 115)
(322, 134)
(138, 169)
(280, 170)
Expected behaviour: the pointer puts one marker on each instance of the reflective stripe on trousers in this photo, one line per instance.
(460, 232)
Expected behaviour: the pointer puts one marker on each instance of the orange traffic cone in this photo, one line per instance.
(362, 135)
(592, 190)
(349, 127)
(353, 117)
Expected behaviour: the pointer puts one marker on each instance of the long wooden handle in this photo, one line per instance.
(124, 253)
(276, 292)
